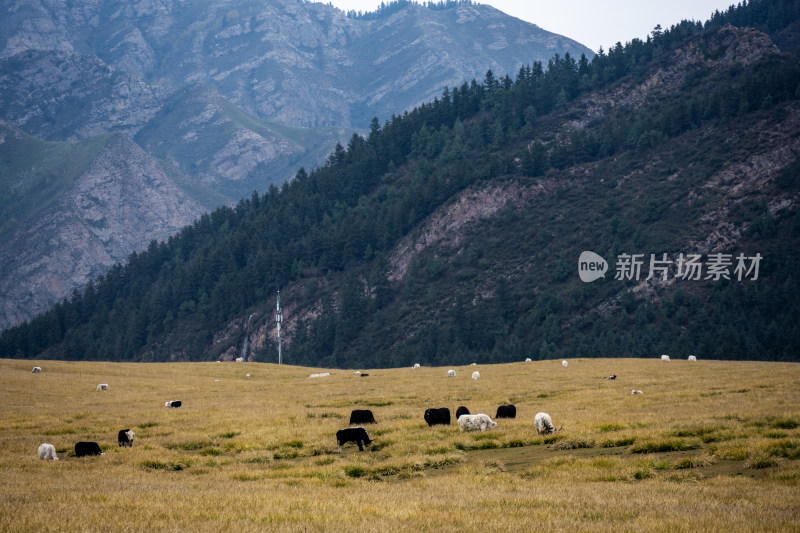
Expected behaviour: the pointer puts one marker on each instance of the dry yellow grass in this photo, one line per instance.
(709, 446)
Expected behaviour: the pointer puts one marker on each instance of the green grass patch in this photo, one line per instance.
(762, 461)
(355, 471)
(161, 465)
(190, 446)
(437, 451)
(786, 448)
(610, 427)
(211, 451)
(784, 423)
(257, 460)
(613, 443)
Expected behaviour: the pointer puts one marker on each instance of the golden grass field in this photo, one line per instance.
(708, 446)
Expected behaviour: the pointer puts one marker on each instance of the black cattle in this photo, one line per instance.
(362, 416)
(461, 411)
(506, 411)
(437, 416)
(125, 437)
(87, 448)
(356, 434)
(364, 375)
(173, 403)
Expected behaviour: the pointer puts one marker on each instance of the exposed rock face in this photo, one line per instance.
(122, 192)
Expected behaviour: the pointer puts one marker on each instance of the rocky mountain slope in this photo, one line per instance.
(228, 97)
(453, 234)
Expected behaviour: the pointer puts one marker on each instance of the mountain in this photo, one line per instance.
(227, 97)
(456, 232)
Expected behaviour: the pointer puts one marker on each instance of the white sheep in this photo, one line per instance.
(102, 386)
(665, 358)
(564, 363)
(247, 376)
(475, 422)
(476, 375)
(240, 359)
(36, 370)
(692, 359)
(416, 365)
(47, 451)
(527, 359)
(451, 373)
(323, 375)
(544, 424)
(636, 391)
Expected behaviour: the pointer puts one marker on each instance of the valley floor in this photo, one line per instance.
(708, 446)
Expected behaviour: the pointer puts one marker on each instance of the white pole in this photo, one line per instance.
(278, 321)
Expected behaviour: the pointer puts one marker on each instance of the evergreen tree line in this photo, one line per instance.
(346, 215)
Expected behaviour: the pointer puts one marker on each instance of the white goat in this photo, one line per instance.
(47, 451)
(544, 424)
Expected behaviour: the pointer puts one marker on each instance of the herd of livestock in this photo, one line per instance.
(357, 433)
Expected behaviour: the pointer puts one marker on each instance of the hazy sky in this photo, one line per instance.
(593, 23)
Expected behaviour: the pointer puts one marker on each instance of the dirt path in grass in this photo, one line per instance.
(516, 460)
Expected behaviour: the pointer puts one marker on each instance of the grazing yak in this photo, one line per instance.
(47, 451)
(125, 437)
(544, 424)
(636, 391)
(362, 416)
(102, 386)
(612, 376)
(475, 422)
(462, 410)
(172, 403)
(357, 434)
(437, 416)
(87, 448)
(506, 411)
(36, 370)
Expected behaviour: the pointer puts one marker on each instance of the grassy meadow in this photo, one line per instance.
(708, 446)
